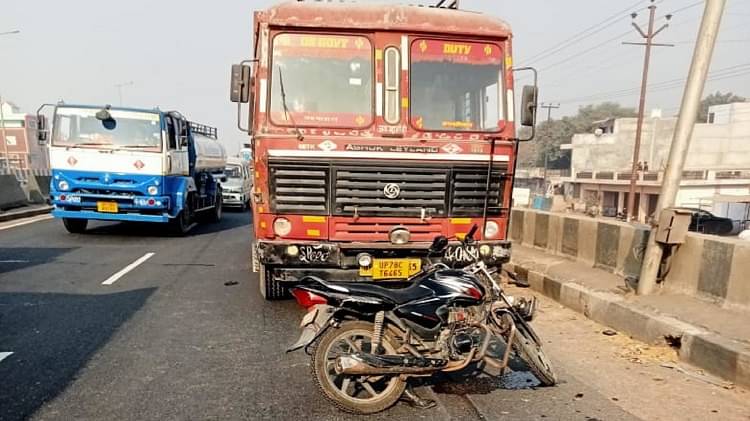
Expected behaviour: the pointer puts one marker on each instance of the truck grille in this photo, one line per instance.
(299, 188)
(469, 187)
(362, 190)
(351, 188)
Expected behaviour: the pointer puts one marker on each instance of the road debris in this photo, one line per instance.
(609, 332)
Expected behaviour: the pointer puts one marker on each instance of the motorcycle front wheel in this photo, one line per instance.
(533, 355)
(354, 394)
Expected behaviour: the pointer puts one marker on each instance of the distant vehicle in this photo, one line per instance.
(707, 223)
(124, 164)
(238, 187)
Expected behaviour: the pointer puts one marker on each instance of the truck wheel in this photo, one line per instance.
(180, 225)
(75, 225)
(270, 289)
(215, 213)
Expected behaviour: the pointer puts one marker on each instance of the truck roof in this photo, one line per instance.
(385, 17)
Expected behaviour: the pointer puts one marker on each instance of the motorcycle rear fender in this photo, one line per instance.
(313, 326)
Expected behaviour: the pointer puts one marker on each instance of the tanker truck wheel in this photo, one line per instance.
(75, 225)
(215, 213)
(270, 289)
(182, 223)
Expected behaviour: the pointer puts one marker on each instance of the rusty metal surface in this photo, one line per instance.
(386, 18)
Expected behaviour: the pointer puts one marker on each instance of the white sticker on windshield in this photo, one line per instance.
(355, 81)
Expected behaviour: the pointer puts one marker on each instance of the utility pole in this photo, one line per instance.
(549, 108)
(119, 87)
(691, 99)
(649, 37)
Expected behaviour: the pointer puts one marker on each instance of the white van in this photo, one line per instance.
(239, 184)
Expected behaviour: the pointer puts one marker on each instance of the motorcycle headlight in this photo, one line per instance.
(152, 190)
(282, 227)
(63, 185)
(399, 235)
(491, 230)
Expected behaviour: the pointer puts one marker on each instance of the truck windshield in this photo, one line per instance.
(327, 80)
(233, 171)
(456, 86)
(79, 127)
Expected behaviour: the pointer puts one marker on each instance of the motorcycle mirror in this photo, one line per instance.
(439, 243)
(470, 235)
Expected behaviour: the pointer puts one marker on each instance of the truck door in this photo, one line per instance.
(177, 155)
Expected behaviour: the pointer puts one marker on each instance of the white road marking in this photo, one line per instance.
(26, 221)
(14, 261)
(112, 279)
(4, 355)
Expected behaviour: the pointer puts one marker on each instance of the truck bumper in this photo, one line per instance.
(87, 214)
(338, 261)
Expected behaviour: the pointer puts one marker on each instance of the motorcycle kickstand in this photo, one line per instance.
(414, 400)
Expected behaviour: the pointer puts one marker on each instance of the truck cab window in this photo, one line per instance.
(171, 135)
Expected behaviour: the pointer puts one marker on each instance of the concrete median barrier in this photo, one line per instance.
(11, 193)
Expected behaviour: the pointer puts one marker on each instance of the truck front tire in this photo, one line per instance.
(75, 225)
(270, 289)
(180, 225)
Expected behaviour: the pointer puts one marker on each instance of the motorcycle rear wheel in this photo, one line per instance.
(533, 355)
(353, 394)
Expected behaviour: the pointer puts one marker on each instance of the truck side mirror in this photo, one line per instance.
(240, 84)
(42, 132)
(529, 105)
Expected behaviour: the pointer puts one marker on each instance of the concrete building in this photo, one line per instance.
(19, 148)
(718, 164)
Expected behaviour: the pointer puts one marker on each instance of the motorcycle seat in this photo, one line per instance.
(394, 295)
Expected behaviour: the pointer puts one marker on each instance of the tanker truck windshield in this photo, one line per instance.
(341, 67)
(455, 86)
(80, 128)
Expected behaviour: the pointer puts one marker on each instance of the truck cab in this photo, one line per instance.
(375, 128)
(126, 164)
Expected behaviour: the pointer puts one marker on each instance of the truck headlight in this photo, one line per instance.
(364, 260)
(282, 227)
(152, 190)
(491, 229)
(485, 250)
(399, 235)
(63, 185)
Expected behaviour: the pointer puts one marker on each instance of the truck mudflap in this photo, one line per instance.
(315, 322)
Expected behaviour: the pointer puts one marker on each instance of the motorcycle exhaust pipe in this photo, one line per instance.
(350, 365)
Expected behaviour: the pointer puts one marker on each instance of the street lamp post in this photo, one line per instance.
(119, 87)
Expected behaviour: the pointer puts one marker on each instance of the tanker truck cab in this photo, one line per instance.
(125, 164)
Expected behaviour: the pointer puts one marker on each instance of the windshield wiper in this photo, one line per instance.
(89, 144)
(137, 146)
(287, 113)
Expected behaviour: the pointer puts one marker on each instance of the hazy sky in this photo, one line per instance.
(178, 53)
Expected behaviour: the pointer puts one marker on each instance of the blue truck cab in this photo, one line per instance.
(127, 164)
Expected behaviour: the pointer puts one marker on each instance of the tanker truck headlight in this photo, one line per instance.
(491, 230)
(282, 227)
(152, 190)
(63, 185)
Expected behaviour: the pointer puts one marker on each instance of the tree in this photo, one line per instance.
(716, 99)
(551, 134)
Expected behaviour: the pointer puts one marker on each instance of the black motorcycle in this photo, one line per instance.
(366, 340)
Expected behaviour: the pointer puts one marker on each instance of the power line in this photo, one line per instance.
(580, 35)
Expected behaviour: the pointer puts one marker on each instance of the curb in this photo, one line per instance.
(24, 213)
(699, 347)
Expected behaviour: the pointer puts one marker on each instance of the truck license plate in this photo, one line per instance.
(392, 268)
(110, 207)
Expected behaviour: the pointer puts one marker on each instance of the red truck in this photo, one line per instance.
(374, 129)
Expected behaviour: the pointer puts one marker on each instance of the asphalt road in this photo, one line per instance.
(185, 335)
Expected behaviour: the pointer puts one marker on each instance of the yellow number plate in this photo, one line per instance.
(106, 207)
(392, 268)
